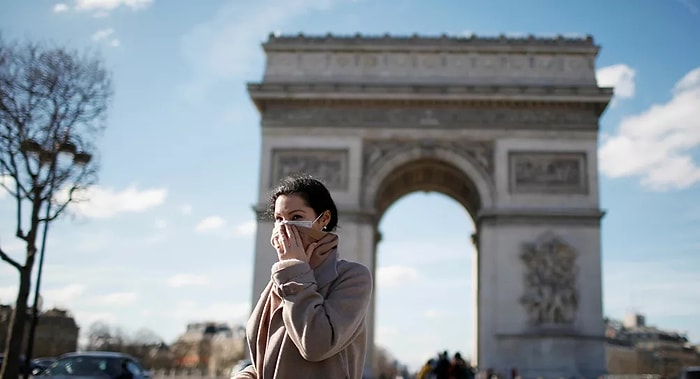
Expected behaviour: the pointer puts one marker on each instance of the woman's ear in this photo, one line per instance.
(326, 218)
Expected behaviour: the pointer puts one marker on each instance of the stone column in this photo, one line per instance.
(358, 243)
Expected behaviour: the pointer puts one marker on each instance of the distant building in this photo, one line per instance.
(56, 332)
(636, 348)
(210, 346)
(5, 316)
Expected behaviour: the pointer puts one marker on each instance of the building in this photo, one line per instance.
(56, 331)
(209, 346)
(636, 348)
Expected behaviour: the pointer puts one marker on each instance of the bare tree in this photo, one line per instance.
(99, 336)
(53, 104)
(386, 364)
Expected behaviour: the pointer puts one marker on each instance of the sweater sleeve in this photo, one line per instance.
(321, 328)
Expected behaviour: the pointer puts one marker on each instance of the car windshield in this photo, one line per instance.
(692, 374)
(85, 366)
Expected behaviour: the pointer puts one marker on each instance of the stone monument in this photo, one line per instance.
(508, 127)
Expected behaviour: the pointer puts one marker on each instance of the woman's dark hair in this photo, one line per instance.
(312, 191)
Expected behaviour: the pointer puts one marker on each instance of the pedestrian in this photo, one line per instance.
(442, 367)
(459, 369)
(426, 372)
(310, 319)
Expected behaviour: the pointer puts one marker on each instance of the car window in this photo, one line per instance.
(692, 374)
(79, 366)
(134, 368)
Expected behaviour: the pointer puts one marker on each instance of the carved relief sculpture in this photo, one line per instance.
(551, 294)
(548, 172)
(330, 166)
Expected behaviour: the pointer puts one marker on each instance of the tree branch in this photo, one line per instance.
(11, 261)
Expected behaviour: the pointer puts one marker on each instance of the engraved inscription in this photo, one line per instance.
(550, 172)
(286, 116)
(329, 166)
(551, 295)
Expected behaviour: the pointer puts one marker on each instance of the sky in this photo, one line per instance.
(167, 237)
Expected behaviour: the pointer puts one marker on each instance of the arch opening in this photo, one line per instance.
(444, 258)
(428, 174)
(426, 279)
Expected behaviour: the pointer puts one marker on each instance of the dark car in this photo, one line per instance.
(691, 373)
(95, 364)
(41, 364)
(36, 365)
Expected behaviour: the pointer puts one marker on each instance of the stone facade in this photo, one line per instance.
(634, 348)
(505, 126)
(212, 347)
(56, 332)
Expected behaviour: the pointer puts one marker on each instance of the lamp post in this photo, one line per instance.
(49, 157)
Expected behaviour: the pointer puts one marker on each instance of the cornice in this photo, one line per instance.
(442, 43)
(408, 95)
(589, 217)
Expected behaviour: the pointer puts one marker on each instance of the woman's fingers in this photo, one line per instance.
(296, 238)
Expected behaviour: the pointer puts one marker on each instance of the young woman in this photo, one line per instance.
(310, 320)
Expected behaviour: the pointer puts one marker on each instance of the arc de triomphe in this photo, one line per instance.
(508, 127)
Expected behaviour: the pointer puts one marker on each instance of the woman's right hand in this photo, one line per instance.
(286, 240)
(276, 241)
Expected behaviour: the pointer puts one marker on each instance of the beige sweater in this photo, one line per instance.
(319, 330)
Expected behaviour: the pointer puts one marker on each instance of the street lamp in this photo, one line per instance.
(50, 158)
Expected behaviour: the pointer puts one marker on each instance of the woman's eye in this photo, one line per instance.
(297, 217)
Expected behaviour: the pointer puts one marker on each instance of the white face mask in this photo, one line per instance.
(302, 223)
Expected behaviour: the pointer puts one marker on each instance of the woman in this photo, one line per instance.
(310, 320)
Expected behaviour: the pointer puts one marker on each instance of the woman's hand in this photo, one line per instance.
(286, 240)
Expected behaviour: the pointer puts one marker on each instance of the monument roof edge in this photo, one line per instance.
(421, 42)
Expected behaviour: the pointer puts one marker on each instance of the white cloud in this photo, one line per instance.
(99, 202)
(60, 7)
(187, 311)
(247, 228)
(119, 299)
(689, 82)
(7, 181)
(63, 296)
(102, 34)
(8, 294)
(186, 280)
(229, 44)
(657, 145)
(210, 223)
(109, 5)
(393, 276)
(161, 224)
(107, 36)
(620, 77)
(434, 314)
(87, 318)
(657, 290)
(186, 209)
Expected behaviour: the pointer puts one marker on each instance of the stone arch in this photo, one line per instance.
(508, 127)
(440, 169)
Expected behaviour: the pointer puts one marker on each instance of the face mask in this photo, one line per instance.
(302, 223)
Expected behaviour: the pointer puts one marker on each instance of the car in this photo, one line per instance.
(41, 364)
(35, 367)
(690, 372)
(95, 364)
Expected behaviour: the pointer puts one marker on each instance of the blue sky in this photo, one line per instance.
(168, 237)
